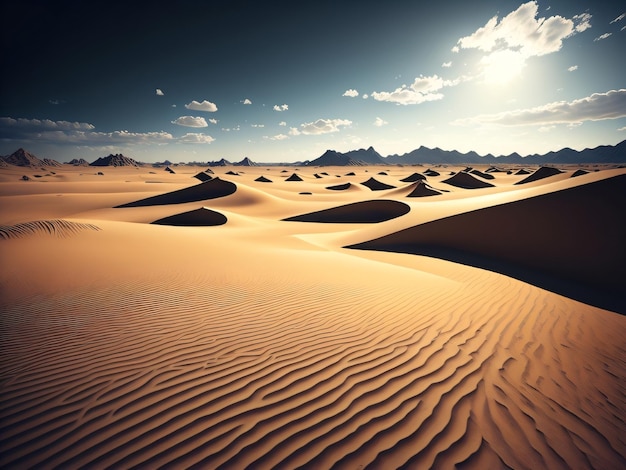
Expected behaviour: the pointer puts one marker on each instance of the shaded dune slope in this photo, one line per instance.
(356, 213)
(203, 176)
(56, 227)
(212, 189)
(376, 185)
(570, 241)
(413, 178)
(202, 217)
(539, 174)
(421, 189)
(339, 187)
(466, 181)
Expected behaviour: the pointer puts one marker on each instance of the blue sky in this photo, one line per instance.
(283, 81)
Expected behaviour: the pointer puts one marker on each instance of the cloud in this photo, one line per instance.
(323, 126)
(279, 137)
(421, 90)
(380, 122)
(602, 36)
(544, 129)
(190, 121)
(195, 138)
(365, 96)
(282, 123)
(247, 101)
(257, 125)
(159, 92)
(282, 107)
(522, 31)
(44, 124)
(204, 106)
(351, 93)
(619, 18)
(294, 131)
(213, 121)
(446, 65)
(572, 68)
(596, 107)
(621, 129)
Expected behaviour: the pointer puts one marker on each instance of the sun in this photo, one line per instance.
(502, 67)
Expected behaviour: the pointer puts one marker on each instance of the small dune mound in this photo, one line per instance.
(430, 172)
(208, 171)
(579, 172)
(263, 179)
(202, 217)
(55, 227)
(352, 173)
(318, 176)
(324, 173)
(25, 178)
(467, 181)
(413, 178)
(306, 193)
(202, 176)
(522, 171)
(169, 170)
(541, 173)
(207, 190)
(339, 187)
(479, 173)
(376, 185)
(294, 177)
(365, 212)
(232, 173)
(382, 173)
(421, 189)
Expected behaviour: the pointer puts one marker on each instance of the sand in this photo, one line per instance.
(149, 319)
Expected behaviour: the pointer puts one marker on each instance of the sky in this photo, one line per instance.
(285, 81)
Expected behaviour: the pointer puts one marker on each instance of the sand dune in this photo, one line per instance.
(202, 176)
(422, 189)
(263, 179)
(537, 240)
(413, 177)
(202, 217)
(543, 172)
(212, 189)
(466, 181)
(266, 344)
(356, 213)
(294, 177)
(579, 172)
(376, 185)
(340, 187)
(58, 228)
(481, 174)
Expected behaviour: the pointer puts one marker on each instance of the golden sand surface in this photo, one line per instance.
(338, 318)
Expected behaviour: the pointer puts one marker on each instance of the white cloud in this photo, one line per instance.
(619, 18)
(190, 121)
(203, 106)
(282, 123)
(279, 137)
(195, 138)
(602, 36)
(159, 92)
(44, 124)
(293, 131)
(446, 65)
(323, 126)
(621, 129)
(544, 129)
(522, 31)
(365, 96)
(572, 68)
(282, 107)
(421, 90)
(213, 121)
(351, 93)
(257, 125)
(380, 122)
(596, 107)
(247, 101)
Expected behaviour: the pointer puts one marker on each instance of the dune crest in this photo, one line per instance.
(541, 173)
(202, 217)
(466, 181)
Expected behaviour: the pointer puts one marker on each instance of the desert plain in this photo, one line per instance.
(313, 317)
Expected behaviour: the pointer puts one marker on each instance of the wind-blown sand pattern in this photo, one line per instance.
(58, 228)
(262, 343)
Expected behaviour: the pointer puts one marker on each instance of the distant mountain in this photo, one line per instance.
(115, 160)
(245, 162)
(423, 155)
(78, 162)
(333, 158)
(222, 162)
(23, 158)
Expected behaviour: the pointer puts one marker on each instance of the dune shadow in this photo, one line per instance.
(570, 242)
(365, 212)
(211, 189)
(202, 217)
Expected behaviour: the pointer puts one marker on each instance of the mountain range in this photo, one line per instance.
(607, 154)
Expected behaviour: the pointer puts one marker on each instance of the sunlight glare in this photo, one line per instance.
(502, 67)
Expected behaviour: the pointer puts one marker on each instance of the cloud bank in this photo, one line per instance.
(205, 105)
(596, 107)
(190, 121)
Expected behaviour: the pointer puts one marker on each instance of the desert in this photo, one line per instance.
(389, 316)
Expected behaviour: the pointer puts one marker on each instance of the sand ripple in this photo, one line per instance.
(57, 227)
